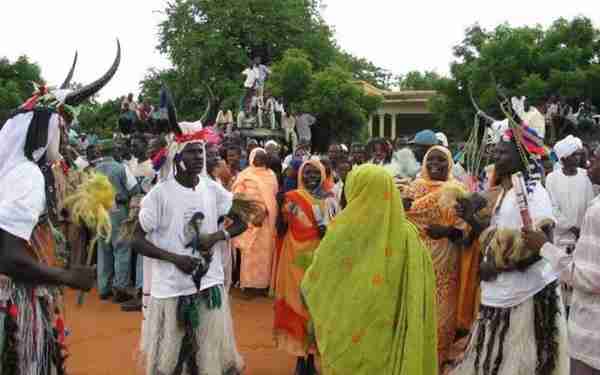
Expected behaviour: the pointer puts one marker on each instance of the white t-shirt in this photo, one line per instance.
(252, 74)
(515, 287)
(22, 199)
(165, 214)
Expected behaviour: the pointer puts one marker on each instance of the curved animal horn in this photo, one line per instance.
(67, 81)
(79, 96)
(208, 102)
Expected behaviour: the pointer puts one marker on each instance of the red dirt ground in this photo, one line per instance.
(103, 339)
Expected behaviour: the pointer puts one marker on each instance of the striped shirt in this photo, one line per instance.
(582, 270)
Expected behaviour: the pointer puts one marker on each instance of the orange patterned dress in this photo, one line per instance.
(426, 211)
(297, 250)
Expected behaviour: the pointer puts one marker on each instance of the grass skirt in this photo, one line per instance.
(162, 338)
(519, 350)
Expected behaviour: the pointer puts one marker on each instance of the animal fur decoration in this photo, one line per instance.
(90, 204)
(451, 193)
(504, 249)
(248, 210)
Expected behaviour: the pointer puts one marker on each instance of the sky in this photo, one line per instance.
(397, 35)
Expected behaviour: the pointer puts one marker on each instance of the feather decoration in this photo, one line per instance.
(90, 205)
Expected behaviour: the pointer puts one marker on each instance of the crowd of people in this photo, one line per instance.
(380, 258)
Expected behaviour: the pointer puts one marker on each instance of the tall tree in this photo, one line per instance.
(211, 42)
(530, 61)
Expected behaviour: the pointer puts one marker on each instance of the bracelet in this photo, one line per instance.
(227, 235)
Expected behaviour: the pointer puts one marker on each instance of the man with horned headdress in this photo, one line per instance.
(189, 326)
(31, 327)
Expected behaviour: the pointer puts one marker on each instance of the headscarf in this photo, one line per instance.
(425, 173)
(370, 289)
(253, 155)
(319, 192)
(15, 133)
(566, 147)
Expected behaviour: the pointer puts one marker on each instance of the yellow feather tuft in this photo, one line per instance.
(90, 204)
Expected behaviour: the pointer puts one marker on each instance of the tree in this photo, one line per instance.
(342, 107)
(331, 95)
(211, 42)
(416, 80)
(529, 61)
(16, 83)
(100, 118)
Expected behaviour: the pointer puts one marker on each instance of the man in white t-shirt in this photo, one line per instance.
(178, 229)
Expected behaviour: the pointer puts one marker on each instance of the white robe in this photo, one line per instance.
(571, 197)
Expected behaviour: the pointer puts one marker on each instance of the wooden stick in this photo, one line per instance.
(88, 263)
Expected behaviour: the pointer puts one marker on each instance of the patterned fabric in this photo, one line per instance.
(370, 288)
(33, 332)
(426, 210)
(300, 211)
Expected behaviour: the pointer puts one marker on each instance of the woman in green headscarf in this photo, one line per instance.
(370, 288)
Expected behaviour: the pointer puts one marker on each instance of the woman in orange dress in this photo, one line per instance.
(306, 215)
(444, 234)
(257, 244)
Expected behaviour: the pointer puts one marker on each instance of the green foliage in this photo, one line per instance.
(16, 83)
(211, 42)
(530, 61)
(416, 80)
(292, 77)
(100, 118)
(364, 70)
(331, 95)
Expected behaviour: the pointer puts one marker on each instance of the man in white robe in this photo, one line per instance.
(582, 271)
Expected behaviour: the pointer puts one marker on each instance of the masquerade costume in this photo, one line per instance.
(521, 326)
(189, 329)
(370, 288)
(31, 324)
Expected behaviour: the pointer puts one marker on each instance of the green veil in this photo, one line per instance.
(370, 289)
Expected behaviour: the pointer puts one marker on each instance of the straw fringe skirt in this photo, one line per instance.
(162, 338)
(519, 353)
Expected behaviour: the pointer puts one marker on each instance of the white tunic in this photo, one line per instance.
(571, 197)
(583, 268)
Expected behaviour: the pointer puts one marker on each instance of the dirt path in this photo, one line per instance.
(103, 339)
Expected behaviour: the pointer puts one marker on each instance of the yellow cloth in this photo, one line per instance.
(370, 288)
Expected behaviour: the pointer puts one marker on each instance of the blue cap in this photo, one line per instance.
(426, 138)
